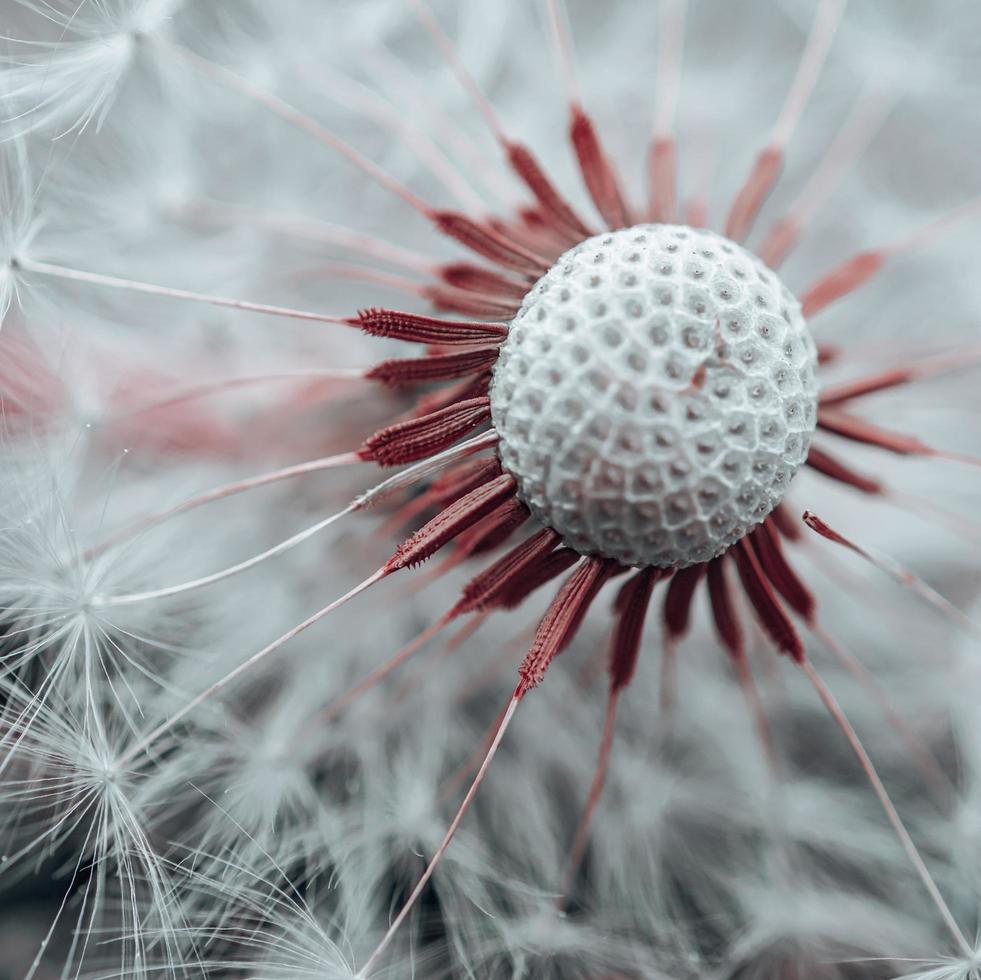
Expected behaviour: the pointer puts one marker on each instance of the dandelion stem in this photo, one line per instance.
(857, 132)
(895, 571)
(854, 272)
(405, 478)
(671, 32)
(923, 367)
(558, 20)
(230, 384)
(922, 756)
(757, 712)
(823, 29)
(663, 160)
(929, 232)
(227, 490)
(292, 115)
(115, 282)
(467, 80)
(451, 831)
(358, 97)
(301, 226)
(769, 162)
(381, 672)
(183, 712)
(278, 549)
(840, 719)
(592, 799)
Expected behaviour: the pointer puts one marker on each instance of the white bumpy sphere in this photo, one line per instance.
(655, 395)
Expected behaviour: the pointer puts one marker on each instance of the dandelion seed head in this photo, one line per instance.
(656, 395)
(259, 821)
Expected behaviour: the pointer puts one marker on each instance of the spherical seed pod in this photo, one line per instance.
(656, 395)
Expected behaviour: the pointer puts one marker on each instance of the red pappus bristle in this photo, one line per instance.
(597, 171)
(454, 300)
(540, 573)
(528, 230)
(482, 591)
(769, 553)
(491, 244)
(816, 524)
(847, 390)
(663, 179)
(453, 520)
(491, 531)
(724, 609)
(828, 353)
(754, 192)
(632, 603)
(842, 280)
(562, 619)
(540, 234)
(833, 468)
(760, 593)
(785, 523)
(474, 278)
(461, 479)
(417, 438)
(397, 372)
(464, 391)
(555, 209)
(677, 603)
(445, 489)
(418, 329)
(848, 427)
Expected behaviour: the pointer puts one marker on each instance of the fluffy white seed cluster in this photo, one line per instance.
(656, 395)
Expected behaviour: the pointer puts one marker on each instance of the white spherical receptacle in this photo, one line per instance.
(655, 395)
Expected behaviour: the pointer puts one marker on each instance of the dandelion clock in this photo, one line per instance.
(489, 490)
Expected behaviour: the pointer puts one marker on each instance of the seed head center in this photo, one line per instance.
(655, 395)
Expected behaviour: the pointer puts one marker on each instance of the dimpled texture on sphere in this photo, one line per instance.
(655, 395)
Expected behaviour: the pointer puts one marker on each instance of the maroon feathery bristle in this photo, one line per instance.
(833, 468)
(847, 390)
(405, 442)
(785, 523)
(848, 427)
(461, 479)
(597, 172)
(770, 613)
(632, 603)
(491, 244)
(663, 179)
(677, 603)
(724, 609)
(483, 590)
(546, 238)
(397, 372)
(463, 391)
(773, 562)
(491, 531)
(753, 193)
(454, 300)
(816, 524)
(841, 281)
(539, 573)
(475, 279)
(555, 207)
(562, 618)
(417, 329)
(451, 521)
(529, 232)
